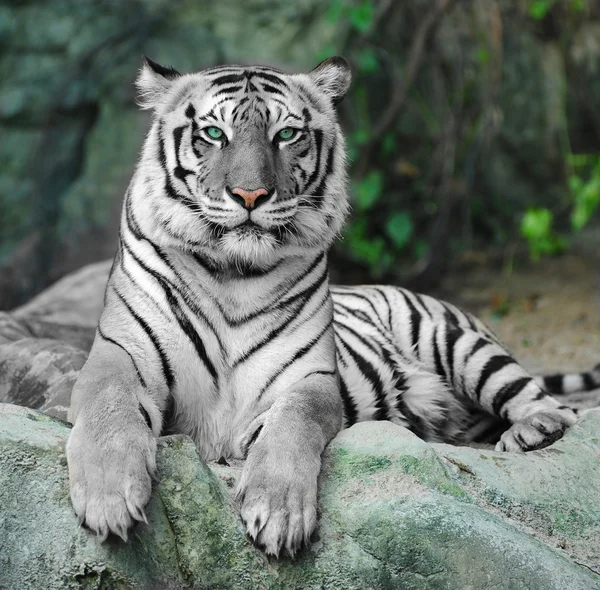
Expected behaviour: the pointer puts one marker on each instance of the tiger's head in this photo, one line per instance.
(243, 163)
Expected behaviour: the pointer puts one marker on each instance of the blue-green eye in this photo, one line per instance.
(287, 133)
(214, 132)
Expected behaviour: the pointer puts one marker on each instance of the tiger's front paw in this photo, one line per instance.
(536, 431)
(277, 497)
(110, 475)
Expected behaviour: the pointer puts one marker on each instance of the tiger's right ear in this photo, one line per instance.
(153, 82)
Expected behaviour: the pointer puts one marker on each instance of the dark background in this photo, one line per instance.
(473, 125)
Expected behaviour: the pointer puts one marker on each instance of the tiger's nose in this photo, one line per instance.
(249, 199)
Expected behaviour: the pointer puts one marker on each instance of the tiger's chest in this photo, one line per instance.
(220, 389)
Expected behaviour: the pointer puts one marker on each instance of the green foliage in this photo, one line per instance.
(536, 228)
(584, 189)
(538, 9)
(361, 16)
(368, 190)
(399, 228)
(484, 127)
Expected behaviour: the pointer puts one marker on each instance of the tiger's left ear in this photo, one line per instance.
(333, 76)
(153, 82)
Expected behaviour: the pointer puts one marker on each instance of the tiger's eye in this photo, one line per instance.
(214, 132)
(287, 133)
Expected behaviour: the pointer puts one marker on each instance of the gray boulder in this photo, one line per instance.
(395, 512)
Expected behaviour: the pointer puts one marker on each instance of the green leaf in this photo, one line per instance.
(587, 199)
(399, 228)
(536, 227)
(368, 190)
(538, 9)
(536, 223)
(361, 16)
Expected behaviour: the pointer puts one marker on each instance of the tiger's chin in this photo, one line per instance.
(251, 247)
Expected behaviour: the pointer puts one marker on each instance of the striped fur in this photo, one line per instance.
(220, 322)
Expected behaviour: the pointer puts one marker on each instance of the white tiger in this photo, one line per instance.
(219, 321)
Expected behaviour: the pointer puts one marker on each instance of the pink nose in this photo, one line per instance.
(250, 199)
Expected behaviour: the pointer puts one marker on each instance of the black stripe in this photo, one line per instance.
(283, 303)
(166, 367)
(228, 90)
(318, 134)
(180, 172)
(190, 111)
(415, 322)
(359, 337)
(268, 88)
(421, 300)
(182, 319)
(358, 314)
(227, 79)
(108, 339)
(507, 392)
(318, 191)
(416, 424)
(369, 372)
(481, 342)
(305, 297)
(554, 384)
(588, 381)
(437, 358)
(350, 411)
(270, 78)
(453, 334)
(298, 355)
(362, 297)
(168, 187)
(493, 365)
(449, 315)
(388, 304)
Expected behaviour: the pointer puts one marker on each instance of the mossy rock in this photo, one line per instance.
(395, 512)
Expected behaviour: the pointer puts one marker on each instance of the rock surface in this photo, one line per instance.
(395, 512)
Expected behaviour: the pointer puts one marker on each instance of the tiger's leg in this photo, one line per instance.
(485, 372)
(277, 492)
(111, 449)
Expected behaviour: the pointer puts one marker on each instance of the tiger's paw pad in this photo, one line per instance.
(534, 432)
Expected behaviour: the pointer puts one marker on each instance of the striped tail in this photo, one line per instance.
(564, 384)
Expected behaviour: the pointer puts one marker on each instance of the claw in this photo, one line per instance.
(122, 532)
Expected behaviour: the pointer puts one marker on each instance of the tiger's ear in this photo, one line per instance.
(333, 76)
(153, 82)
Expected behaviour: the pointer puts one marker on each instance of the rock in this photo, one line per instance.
(395, 512)
(39, 373)
(44, 343)
(69, 309)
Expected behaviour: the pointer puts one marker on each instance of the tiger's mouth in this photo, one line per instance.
(250, 227)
